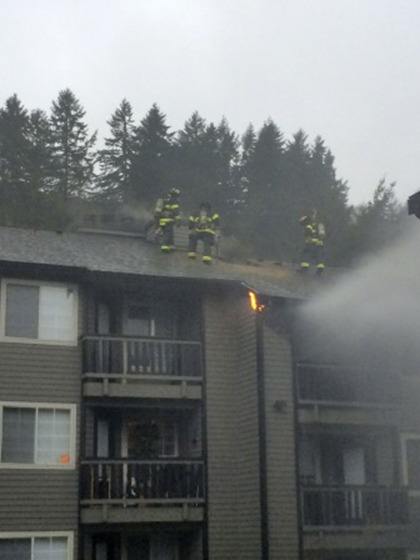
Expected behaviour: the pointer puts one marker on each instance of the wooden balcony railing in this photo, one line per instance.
(338, 384)
(127, 356)
(118, 481)
(346, 506)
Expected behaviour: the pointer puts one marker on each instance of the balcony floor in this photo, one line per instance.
(96, 512)
(139, 386)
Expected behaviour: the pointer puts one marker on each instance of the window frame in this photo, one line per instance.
(162, 425)
(72, 408)
(37, 284)
(32, 535)
(405, 437)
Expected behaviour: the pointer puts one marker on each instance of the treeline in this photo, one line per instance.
(260, 182)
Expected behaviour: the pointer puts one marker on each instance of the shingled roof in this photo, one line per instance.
(123, 254)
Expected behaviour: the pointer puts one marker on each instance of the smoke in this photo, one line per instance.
(370, 315)
(138, 213)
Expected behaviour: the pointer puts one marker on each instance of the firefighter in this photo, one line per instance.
(167, 214)
(203, 227)
(313, 250)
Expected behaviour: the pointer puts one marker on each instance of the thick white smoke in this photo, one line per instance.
(371, 314)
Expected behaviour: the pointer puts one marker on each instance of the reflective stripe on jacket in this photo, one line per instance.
(204, 224)
(168, 214)
(314, 232)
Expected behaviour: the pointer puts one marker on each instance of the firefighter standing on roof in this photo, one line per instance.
(203, 227)
(167, 214)
(313, 250)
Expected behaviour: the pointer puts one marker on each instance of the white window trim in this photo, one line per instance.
(176, 442)
(405, 437)
(35, 405)
(36, 283)
(69, 535)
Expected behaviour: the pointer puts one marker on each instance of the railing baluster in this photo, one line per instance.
(124, 479)
(353, 505)
(109, 356)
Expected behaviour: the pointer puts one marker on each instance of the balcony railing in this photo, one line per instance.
(122, 481)
(127, 356)
(338, 384)
(347, 506)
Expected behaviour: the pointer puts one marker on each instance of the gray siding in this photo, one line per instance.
(233, 500)
(281, 465)
(37, 499)
(411, 424)
(40, 373)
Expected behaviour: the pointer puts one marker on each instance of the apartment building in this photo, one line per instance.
(147, 412)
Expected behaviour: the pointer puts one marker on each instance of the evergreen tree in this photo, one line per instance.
(248, 142)
(71, 145)
(260, 224)
(195, 159)
(151, 172)
(375, 223)
(228, 155)
(193, 131)
(39, 152)
(14, 159)
(116, 158)
(14, 144)
(329, 195)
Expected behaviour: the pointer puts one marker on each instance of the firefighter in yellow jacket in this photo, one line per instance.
(203, 227)
(314, 236)
(167, 214)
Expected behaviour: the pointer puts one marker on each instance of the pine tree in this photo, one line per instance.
(116, 158)
(193, 132)
(195, 161)
(151, 172)
(265, 162)
(14, 144)
(329, 195)
(228, 193)
(261, 225)
(71, 145)
(14, 160)
(39, 152)
(375, 223)
(248, 142)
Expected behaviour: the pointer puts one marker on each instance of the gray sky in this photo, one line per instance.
(345, 69)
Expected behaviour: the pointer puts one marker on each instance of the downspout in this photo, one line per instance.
(260, 370)
(296, 438)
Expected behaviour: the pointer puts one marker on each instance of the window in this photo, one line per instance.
(168, 439)
(38, 546)
(39, 312)
(138, 321)
(154, 438)
(411, 461)
(41, 435)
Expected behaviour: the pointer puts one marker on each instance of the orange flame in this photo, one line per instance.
(254, 303)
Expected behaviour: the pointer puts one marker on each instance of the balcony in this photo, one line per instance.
(332, 393)
(334, 507)
(141, 367)
(133, 491)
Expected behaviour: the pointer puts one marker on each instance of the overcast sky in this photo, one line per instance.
(348, 70)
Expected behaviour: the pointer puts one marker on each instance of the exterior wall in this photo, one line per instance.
(410, 423)
(232, 438)
(40, 499)
(280, 430)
